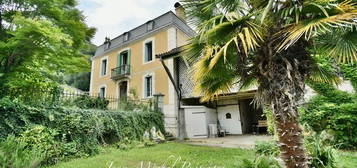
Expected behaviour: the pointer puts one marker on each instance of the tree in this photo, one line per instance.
(82, 79)
(273, 44)
(40, 40)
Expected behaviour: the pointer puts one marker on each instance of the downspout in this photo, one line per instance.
(181, 116)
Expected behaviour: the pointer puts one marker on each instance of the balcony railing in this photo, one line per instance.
(120, 72)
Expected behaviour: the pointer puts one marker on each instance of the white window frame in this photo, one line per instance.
(152, 40)
(152, 85)
(101, 66)
(105, 90)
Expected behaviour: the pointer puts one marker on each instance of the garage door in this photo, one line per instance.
(196, 125)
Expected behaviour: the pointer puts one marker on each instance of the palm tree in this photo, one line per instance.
(273, 44)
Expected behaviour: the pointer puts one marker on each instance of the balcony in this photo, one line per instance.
(121, 72)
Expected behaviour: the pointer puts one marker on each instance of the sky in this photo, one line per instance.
(114, 17)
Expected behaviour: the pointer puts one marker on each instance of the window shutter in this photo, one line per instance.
(119, 59)
(129, 56)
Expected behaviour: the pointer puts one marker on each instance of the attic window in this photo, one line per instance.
(150, 25)
(228, 116)
(107, 43)
(126, 36)
(107, 46)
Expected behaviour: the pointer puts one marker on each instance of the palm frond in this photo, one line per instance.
(210, 82)
(247, 39)
(323, 71)
(342, 15)
(309, 28)
(342, 46)
(320, 76)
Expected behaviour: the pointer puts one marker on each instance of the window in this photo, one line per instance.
(102, 92)
(228, 116)
(126, 36)
(150, 25)
(148, 51)
(104, 67)
(125, 57)
(148, 86)
(107, 43)
(107, 46)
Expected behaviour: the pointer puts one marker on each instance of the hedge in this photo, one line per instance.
(77, 130)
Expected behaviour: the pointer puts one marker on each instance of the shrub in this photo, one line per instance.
(267, 148)
(87, 102)
(15, 117)
(270, 120)
(43, 139)
(321, 155)
(14, 154)
(335, 112)
(71, 132)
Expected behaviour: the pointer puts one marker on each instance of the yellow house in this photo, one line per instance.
(126, 64)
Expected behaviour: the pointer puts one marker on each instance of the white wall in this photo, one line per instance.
(211, 115)
(170, 119)
(233, 125)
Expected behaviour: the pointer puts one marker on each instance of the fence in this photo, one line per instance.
(95, 100)
(61, 97)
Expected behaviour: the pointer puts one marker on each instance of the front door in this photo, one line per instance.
(123, 90)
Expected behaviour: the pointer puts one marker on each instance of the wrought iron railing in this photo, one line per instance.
(121, 72)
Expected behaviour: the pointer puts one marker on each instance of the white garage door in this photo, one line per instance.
(196, 125)
(229, 119)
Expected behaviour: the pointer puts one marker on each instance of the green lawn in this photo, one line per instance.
(347, 159)
(159, 154)
(168, 153)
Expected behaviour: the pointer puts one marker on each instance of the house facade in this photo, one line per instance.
(126, 66)
(148, 60)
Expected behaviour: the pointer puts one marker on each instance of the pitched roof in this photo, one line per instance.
(163, 21)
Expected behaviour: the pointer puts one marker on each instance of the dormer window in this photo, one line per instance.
(107, 46)
(107, 43)
(150, 25)
(126, 36)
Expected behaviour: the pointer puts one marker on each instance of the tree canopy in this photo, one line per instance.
(40, 39)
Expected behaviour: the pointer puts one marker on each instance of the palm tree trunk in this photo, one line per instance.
(290, 138)
(282, 86)
(284, 102)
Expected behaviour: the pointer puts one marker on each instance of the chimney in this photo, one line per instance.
(180, 11)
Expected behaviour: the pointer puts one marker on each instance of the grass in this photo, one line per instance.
(168, 153)
(347, 159)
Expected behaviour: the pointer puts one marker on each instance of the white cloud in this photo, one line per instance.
(113, 17)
